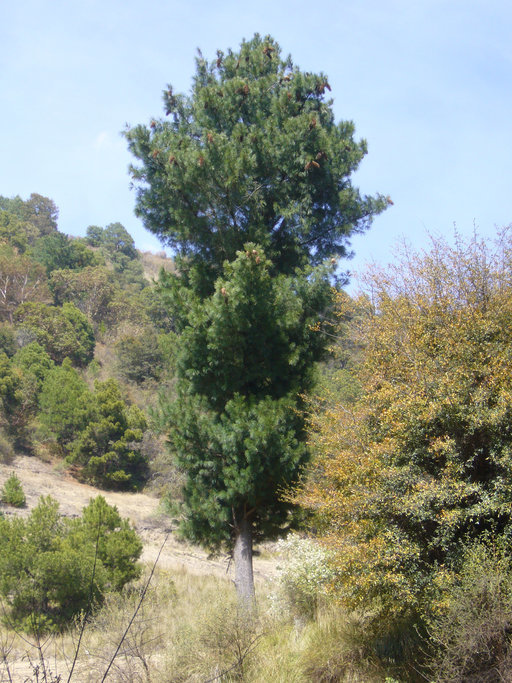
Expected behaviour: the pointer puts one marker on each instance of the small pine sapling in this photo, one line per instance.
(12, 492)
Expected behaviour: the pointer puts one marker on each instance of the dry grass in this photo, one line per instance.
(190, 628)
(153, 263)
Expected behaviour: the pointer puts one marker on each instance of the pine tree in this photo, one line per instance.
(237, 426)
(249, 183)
(252, 155)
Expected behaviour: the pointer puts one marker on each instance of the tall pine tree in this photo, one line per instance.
(248, 180)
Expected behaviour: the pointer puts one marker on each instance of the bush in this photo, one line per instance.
(52, 569)
(12, 492)
(65, 404)
(109, 447)
(139, 357)
(33, 365)
(62, 331)
(57, 251)
(304, 576)
(7, 340)
(419, 464)
(473, 632)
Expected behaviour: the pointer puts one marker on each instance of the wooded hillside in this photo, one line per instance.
(84, 337)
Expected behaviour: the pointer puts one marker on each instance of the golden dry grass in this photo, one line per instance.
(153, 263)
(190, 628)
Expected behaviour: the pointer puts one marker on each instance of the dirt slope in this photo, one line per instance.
(42, 479)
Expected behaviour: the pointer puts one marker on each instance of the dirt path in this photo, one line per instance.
(42, 479)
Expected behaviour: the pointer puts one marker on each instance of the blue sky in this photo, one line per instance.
(427, 83)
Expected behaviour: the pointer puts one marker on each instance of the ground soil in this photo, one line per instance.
(40, 478)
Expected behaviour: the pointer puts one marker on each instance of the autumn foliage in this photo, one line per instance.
(417, 468)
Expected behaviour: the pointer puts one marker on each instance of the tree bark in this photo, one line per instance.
(242, 555)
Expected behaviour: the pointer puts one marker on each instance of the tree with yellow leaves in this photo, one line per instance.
(419, 466)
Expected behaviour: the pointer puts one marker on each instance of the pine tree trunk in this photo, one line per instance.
(244, 579)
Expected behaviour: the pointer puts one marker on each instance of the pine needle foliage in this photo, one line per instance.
(237, 427)
(253, 154)
(12, 492)
(248, 180)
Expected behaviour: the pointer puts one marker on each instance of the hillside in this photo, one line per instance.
(42, 479)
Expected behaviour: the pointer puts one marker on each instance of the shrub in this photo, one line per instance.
(57, 251)
(65, 405)
(62, 331)
(12, 492)
(7, 340)
(473, 632)
(139, 357)
(109, 447)
(419, 464)
(33, 359)
(118, 544)
(33, 364)
(52, 569)
(304, 576)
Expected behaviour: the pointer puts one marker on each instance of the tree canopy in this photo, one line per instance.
(22, 222)
(57, 251)
(64, 332)
(418, 467)
(253, 154)
(21, 280)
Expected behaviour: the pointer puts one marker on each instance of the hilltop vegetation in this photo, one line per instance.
(83, 337)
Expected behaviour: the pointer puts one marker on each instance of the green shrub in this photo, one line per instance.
(34, 360)
(57, 251)
(109, 446)
(65, 404)
(139, 357)
(64, 331)
(12, 492)
(118, 544)
(7, 340)
(52, 568)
